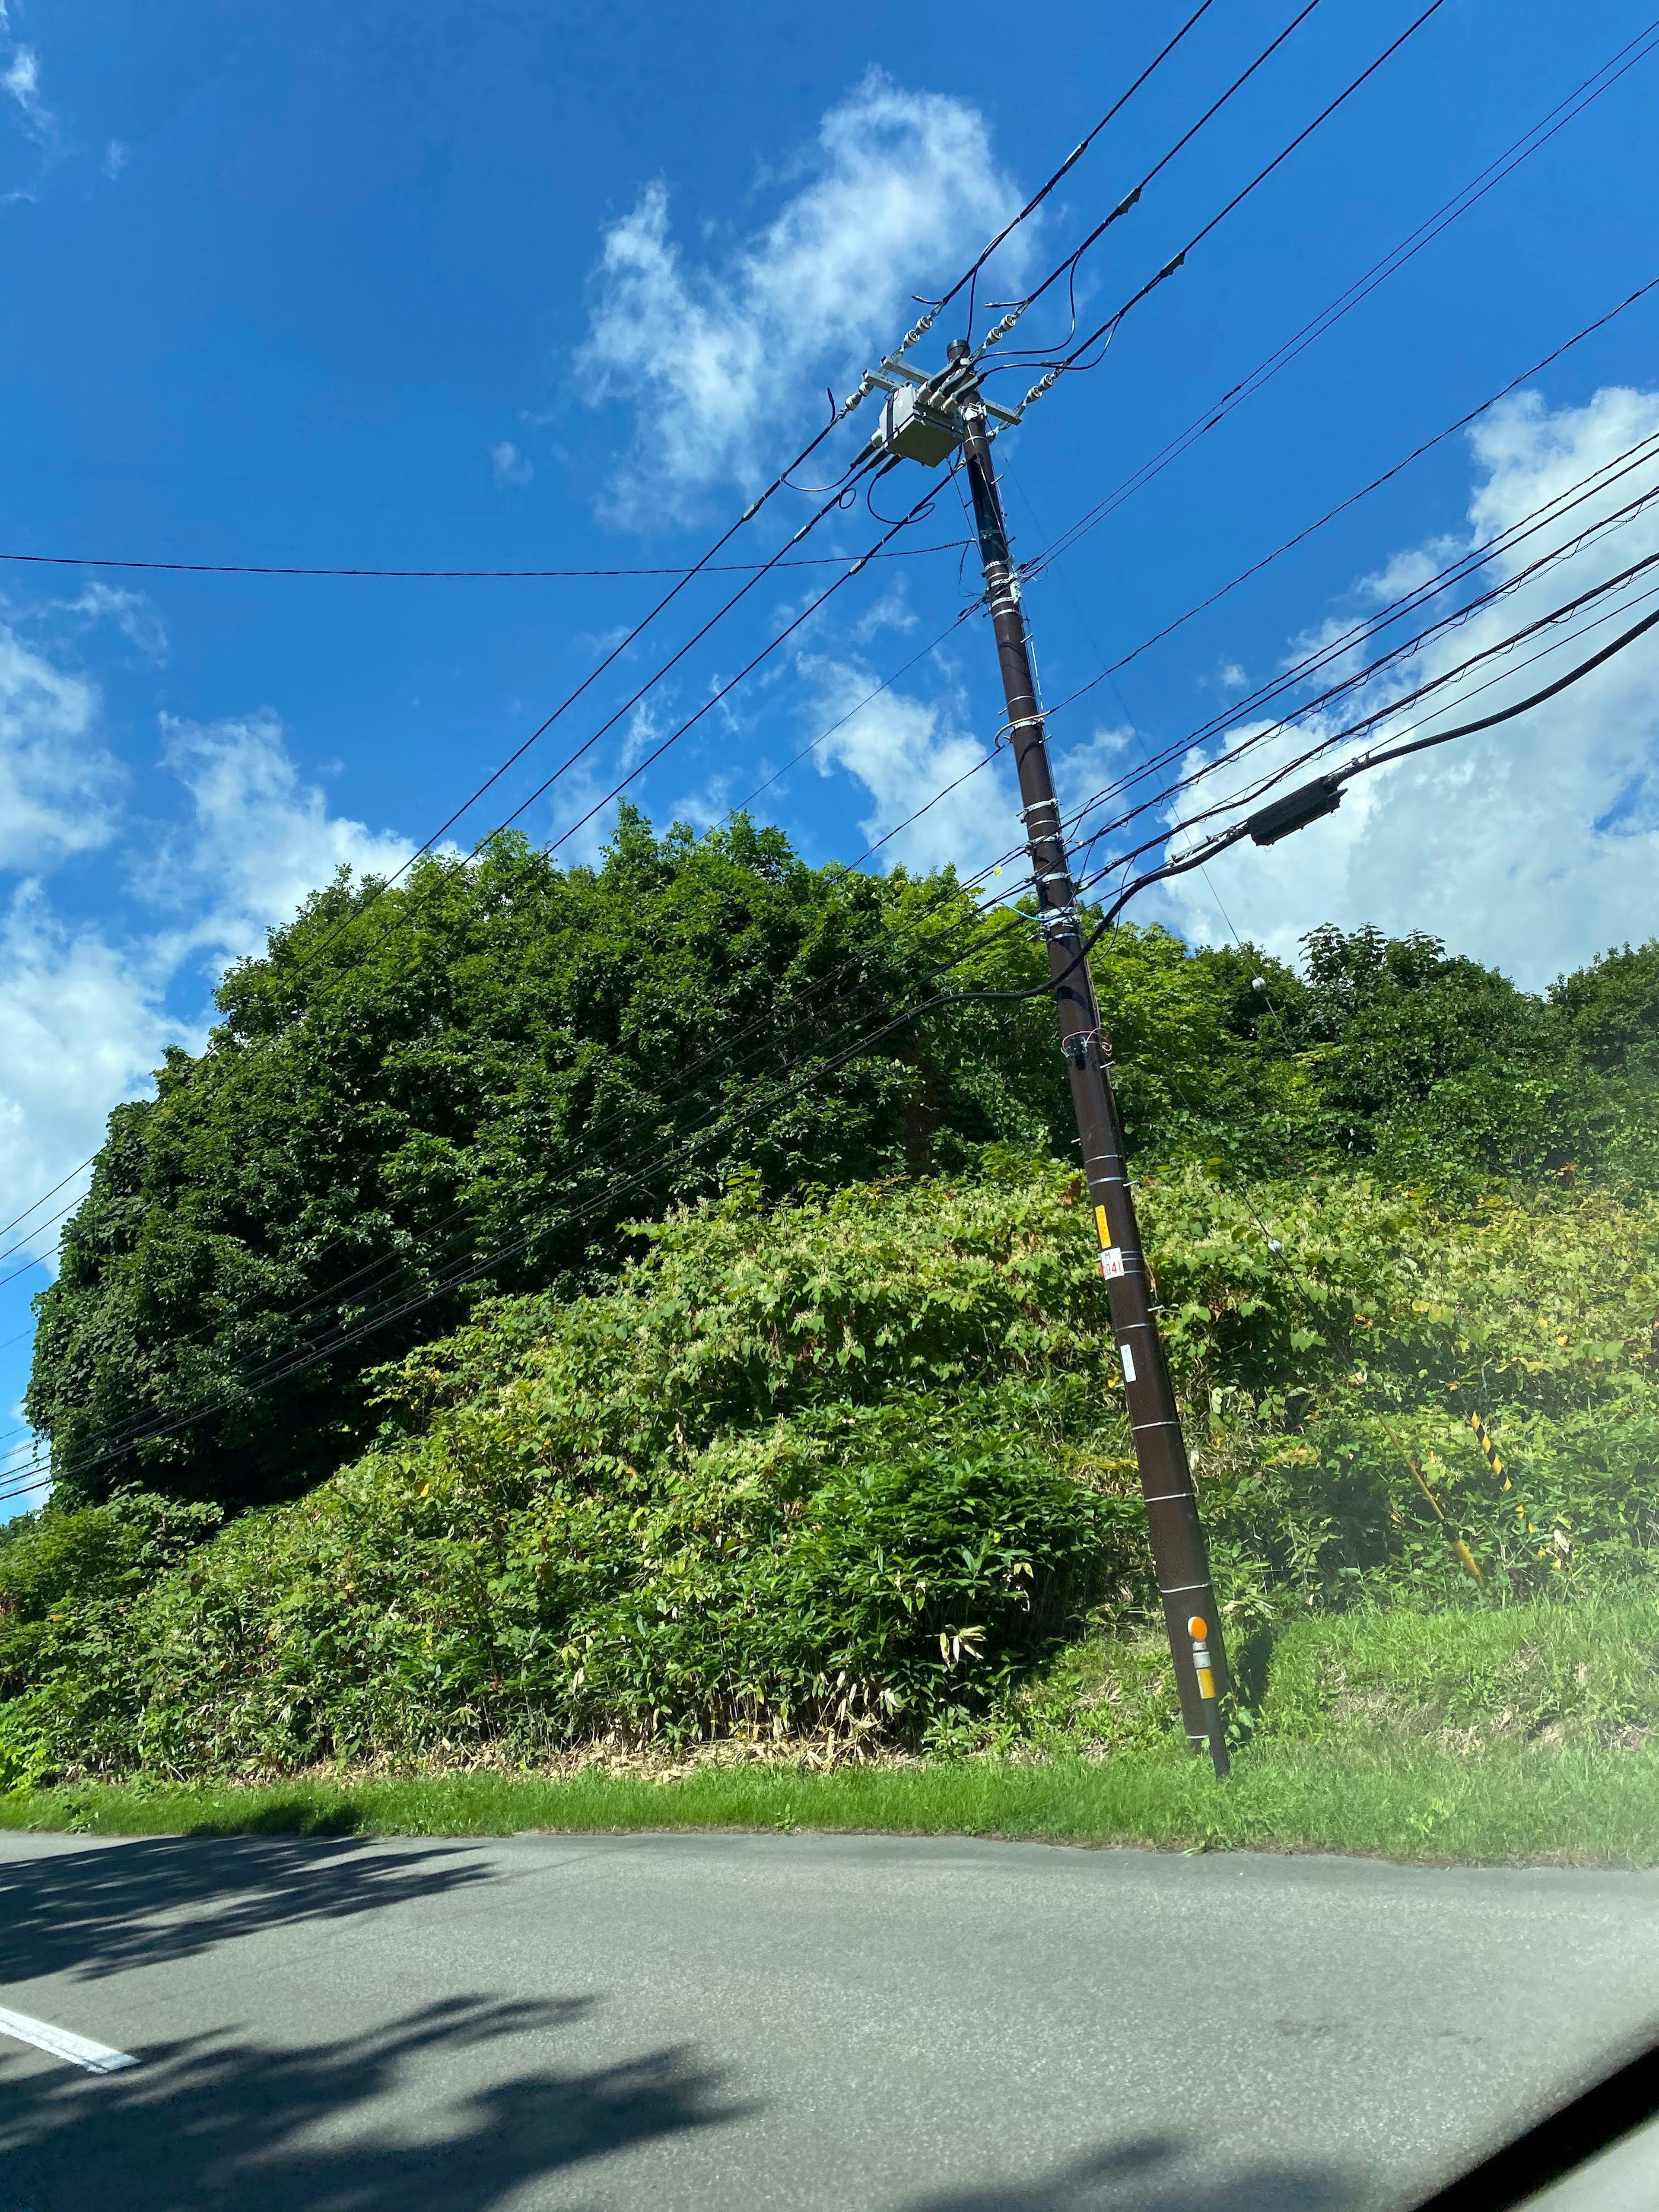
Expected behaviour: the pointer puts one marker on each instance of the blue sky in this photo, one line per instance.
(490, 286)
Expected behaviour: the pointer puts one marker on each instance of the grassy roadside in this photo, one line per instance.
(1578, 1807)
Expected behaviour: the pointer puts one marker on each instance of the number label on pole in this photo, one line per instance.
(1111, 1262)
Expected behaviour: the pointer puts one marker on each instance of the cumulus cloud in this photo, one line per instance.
(901, 750)
(260, 839)
(22, 79)
(1536, 845)
(84, 1026)
(83, 1008)
(900, 187)
(55, 782)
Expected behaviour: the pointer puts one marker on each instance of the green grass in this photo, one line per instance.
(1484, 1680)
(1576, 1807)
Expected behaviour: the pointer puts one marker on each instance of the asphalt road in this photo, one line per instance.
(780, 2021)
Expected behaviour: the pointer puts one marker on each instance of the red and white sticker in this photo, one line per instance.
(1111, 1262)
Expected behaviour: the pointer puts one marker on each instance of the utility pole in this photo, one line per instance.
(1179, 1555)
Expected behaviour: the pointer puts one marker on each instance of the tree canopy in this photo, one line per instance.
(472, 1082)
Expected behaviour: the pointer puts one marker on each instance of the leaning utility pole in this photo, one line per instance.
(1179, 1556)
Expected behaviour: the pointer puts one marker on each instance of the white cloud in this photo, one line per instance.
(509, 465)
(903, 187)
(903, 750)
(83, 1011)
(84, 1026)
(56, 781)
(131, 613)
(22, 80)
(1537, 845)
(261, 839)
(117, 154)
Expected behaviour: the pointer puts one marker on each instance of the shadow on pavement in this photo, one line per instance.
(95, 1911)
(230, 2124)
(1136, 2177)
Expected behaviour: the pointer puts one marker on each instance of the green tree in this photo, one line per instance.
(483, 1061)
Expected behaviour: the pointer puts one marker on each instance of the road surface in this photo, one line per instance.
(730, 2022)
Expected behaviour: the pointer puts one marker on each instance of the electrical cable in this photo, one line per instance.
(1530, 142)
(1336, 647)
(1070, 162)
(1071, 362)
(1266, 781)
(1259, 738)
(1554, 616)
(1223, 839)
(470, 576)
(1017, 308)
(1043, 560)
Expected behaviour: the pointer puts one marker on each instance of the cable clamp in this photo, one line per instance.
(1075, 1048)
(1058, 921)
(1037, 806)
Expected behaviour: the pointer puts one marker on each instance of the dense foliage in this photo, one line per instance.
(459, 1082)
(453, 1088)
(856, 1462)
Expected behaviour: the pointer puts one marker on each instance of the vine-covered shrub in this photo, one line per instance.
(857, 1464)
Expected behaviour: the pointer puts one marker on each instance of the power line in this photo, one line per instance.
(1070, 360)
(1268, 824)
(1041, 559)
(1068, 267)
(471, 575)
(1530, 142)
(1065, 168)
(1332, 649)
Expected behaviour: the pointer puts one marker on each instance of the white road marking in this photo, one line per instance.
(96, 2058)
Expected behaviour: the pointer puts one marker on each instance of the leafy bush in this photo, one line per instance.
(463, 1075)
(857, 1464)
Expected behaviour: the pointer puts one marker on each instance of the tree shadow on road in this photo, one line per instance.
(95, 1911)
(222, 2123)
(1154, 2174)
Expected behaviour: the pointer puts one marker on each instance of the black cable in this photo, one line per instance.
(1105, 329)
(468, 575)
(1040, 561)
(1220, 843)
(1325, 744)
(1556, 119)
(1070, 162)
(1130, 198)
(1548, 512)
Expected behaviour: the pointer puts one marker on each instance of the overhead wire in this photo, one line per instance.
(1219, 842)
(471, 575)
(1567, 111)
(1069, 362)
(1334, 648)
(286, 1367)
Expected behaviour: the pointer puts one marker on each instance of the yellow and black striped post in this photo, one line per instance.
(1493, 1460)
